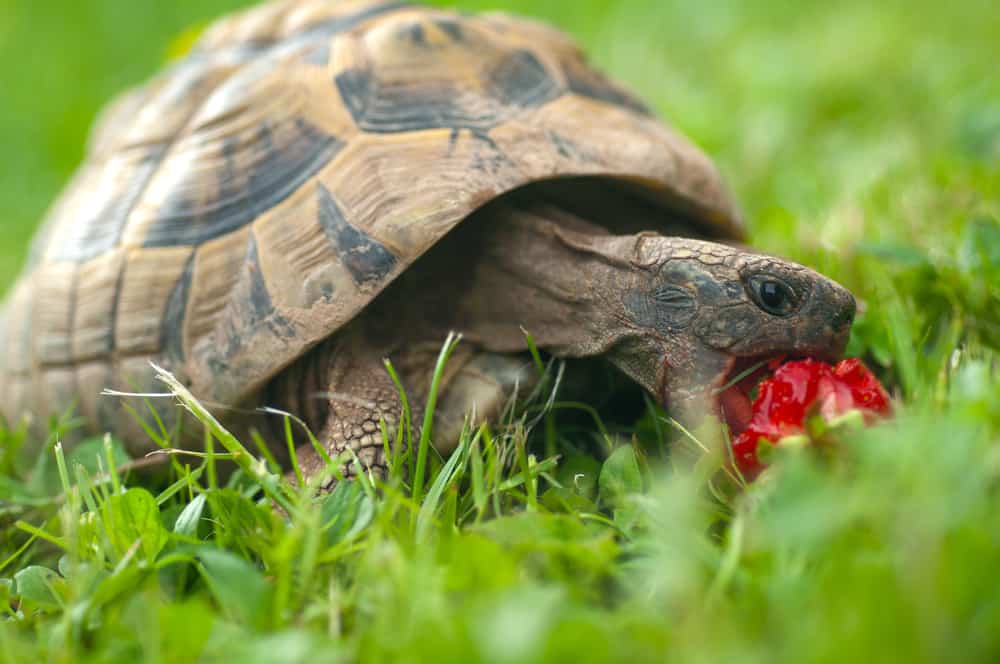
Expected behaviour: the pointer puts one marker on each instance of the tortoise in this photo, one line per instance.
(320, 185)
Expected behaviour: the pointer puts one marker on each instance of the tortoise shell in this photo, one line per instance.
(245, 204)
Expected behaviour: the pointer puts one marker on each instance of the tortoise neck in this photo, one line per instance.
(542, 271)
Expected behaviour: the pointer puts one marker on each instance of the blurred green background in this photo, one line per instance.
(811, 108)
(862, 138)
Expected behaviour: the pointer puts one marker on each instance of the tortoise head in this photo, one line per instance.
(701, 314)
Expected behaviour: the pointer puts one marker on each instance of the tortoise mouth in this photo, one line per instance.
(735, 392)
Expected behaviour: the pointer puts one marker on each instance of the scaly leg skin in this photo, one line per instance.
(359, 395)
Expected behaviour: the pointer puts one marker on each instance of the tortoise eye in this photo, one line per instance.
(773, 295)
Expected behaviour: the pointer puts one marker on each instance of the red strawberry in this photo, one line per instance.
(799, 388)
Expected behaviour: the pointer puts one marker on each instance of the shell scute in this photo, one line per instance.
(52, 313)
(410, 74)
(149, 277)
(98, 285)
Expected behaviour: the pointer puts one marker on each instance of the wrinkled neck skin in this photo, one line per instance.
(554, 282)
(563, 281)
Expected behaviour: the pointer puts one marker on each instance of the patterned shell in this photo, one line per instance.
(246, 203)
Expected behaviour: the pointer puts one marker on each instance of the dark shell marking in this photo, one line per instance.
(365, 258)
(243, 193)
(518, 81)
(172, 329)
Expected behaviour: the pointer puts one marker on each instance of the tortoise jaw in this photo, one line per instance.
(733, 397)
(729, 396)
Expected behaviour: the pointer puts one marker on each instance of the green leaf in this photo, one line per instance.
(187, 520)
(84, 576)
(238, 587)
(108, 587)
(89, 453)
(39, 586)
(134, 517)
(345, 512)
(238, 521)
(578, 473)
(563, 499)
(620, 475)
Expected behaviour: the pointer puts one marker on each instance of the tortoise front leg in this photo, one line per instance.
(358, 395)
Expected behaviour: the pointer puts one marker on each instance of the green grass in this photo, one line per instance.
(862, 138)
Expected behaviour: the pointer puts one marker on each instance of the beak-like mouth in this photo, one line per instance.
(736, 389)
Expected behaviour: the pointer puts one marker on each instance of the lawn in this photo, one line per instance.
(861, 138)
